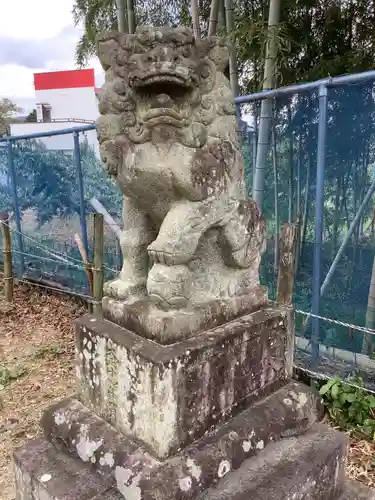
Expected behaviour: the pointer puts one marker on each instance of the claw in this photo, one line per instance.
(122, 290)
(167, 258)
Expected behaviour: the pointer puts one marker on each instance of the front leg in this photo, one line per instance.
(137, 235)
(184, 225)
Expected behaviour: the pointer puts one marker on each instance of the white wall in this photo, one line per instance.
(80, 103)
(61, 142)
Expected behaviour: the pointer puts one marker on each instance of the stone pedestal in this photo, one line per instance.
(214, 416)
(167, 396)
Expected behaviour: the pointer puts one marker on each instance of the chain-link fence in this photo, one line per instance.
(46, 183)
(319, 171)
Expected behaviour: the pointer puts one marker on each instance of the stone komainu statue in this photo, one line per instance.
(167, 133)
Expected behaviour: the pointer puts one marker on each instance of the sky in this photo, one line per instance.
(36, 36)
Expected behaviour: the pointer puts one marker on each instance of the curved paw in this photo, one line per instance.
(125, 289)
(169, 286)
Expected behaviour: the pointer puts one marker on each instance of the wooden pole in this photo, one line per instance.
(286, 274)
(7, 253)
(108, 219)
(98, 262)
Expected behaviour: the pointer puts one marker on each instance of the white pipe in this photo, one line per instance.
(108, 219)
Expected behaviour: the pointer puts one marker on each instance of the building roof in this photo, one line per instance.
(71, 79)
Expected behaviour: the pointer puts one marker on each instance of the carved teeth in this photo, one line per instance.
(162, 78)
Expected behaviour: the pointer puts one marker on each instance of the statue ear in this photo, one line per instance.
(219, 54)
(112, 48)
(215, 49)
(107, 48)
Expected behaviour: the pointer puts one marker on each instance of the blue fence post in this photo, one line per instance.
(254, 143)
(319, 211)
(82, 211)
(16, 208)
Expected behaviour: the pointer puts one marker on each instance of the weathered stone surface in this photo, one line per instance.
(168, 396)
(310, 467)
(78, 432)
(357, 491)
(74, 430)
(42, 473)
(167, 132)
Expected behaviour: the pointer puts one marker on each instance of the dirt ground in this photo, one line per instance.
(36, 366)
(36, 369)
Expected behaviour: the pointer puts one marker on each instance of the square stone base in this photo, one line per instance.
(83, 457)
(169, 326)
(167, 396)
(310, 466)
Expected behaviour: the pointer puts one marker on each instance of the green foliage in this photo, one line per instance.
(100, 15)
(7, 110)
(350, 405)
(97, 183)
(315, 38)
(31, 117)
(47, 181)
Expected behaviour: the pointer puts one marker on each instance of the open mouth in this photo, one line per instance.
(163, 83)
(165, 78)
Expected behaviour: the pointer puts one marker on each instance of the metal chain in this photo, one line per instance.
(329, 320)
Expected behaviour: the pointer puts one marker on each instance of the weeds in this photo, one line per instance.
(350, 406)
(44, 351)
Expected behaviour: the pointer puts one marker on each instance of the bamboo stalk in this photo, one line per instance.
(7, 255)
(98, 278)
(121, 16)
(229, 17)
(266, 105)
(131, 15)
(213, 17)
(195, 18)
(221, 16)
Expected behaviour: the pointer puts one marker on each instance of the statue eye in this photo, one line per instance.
(184, 51)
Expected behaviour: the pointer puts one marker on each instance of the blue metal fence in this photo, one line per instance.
(46, 187)
(319, 167)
